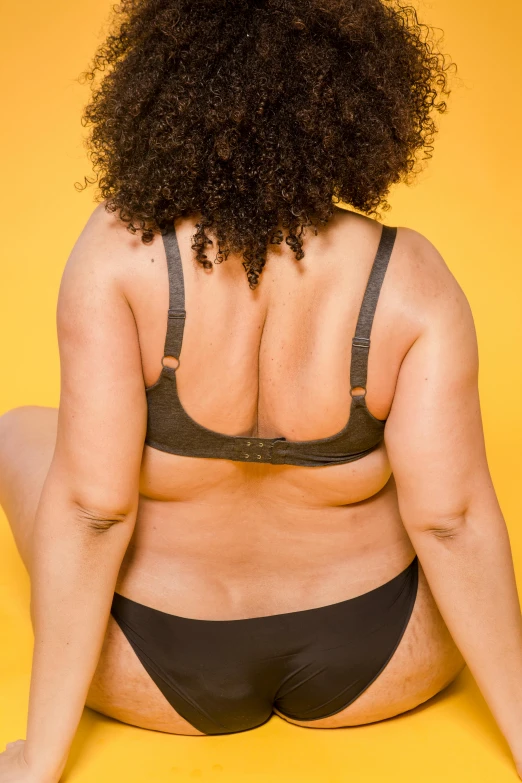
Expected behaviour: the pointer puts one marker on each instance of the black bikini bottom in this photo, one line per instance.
(225, 676)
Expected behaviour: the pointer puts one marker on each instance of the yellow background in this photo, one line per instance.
(466, 202)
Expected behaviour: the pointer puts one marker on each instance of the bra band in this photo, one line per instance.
(360, 341)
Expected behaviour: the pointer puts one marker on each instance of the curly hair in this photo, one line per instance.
(259, 115)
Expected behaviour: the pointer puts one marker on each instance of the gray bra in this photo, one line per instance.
(171, 429)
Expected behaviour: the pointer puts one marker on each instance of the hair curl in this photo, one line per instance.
(258, 114)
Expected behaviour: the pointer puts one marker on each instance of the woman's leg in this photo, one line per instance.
(120, 688)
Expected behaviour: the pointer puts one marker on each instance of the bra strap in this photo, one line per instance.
(177, 314)
(361, 340)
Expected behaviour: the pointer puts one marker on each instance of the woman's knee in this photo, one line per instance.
(25, 420)
(10, 421)
(27, 441)
(27, 436)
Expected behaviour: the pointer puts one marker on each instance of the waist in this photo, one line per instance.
(197, 564)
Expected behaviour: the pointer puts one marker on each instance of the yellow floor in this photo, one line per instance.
(452, 738)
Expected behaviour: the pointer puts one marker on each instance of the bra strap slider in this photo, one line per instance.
(361, 342)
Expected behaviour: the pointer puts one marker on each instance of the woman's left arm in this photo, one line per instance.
(89, 502)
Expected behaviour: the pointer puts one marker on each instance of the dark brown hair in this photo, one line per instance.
(259, 114)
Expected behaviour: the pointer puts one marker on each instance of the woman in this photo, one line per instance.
(261, 495)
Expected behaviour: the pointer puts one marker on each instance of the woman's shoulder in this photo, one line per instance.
(422, 278)
(416, 259)
(107, 255)
(420, 292)
(105, 243)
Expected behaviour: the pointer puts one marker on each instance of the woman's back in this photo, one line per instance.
(274, 362)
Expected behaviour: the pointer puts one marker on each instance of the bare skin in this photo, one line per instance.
(216, 539)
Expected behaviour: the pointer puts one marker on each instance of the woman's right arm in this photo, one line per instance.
(435, 443)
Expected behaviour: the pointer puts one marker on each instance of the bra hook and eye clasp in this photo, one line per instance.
(259, 444)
